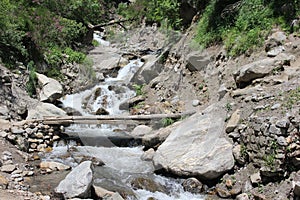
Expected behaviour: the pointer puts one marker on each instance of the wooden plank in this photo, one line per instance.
(108, 119)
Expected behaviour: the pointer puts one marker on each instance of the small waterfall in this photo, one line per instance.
(121, 163)
(108, 95)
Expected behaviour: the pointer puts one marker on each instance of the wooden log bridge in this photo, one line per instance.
(109, 119)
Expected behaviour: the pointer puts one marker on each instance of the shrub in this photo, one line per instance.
(74, 56)
(54, 56)
(241, 26)
(11, 34)
(37, 30)
(138, 89)
(164, 12)
(167, 121)
(32, 81)
(86, 70)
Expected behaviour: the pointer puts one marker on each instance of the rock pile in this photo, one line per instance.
(272, 144)
(12, 175)
(33, 137)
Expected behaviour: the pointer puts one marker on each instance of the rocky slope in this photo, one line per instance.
(252, 113)
(243, 141)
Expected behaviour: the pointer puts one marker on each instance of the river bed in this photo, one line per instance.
(122, 164)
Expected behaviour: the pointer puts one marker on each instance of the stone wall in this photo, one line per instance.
(270, 143)
(33, 137)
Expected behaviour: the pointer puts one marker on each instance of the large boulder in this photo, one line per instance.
(197, 62)
(196, 147)
(78, 182)
(149, 70)
(44, 109)
(51, 89)
(106, 61)
(261, 68)
(277, 39)
(252, 71)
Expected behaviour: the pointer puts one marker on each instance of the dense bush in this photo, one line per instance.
(44, 31)
(32, 81)
(243, 25)
(163, 12)
(12, 32)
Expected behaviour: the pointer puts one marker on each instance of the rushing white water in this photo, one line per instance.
(99, 39)
(108, 95)
(121, 163)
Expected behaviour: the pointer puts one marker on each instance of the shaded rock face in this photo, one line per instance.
(196, 147)
(51, 89)
(192, 185)
(187, 12)
(102, 111)
(78, 182)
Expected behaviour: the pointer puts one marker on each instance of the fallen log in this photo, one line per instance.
(119, 22)
(109, 119)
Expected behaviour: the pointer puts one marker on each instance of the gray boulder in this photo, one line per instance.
(78, 182)
(196, 147)
(276, 39)
(197, 62)
(149, 70)
(115, 196)
(242, 196)
(44, 109)
(4, 110)
(51, 89)
(233, 121)
(252, 71)
(141, 130)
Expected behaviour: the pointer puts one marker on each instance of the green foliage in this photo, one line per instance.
(138, 89)
(243, 151)
(55, 56)
(32, 82)
(139, 105)
(11, 34)
(270, 160)
(228, 107)
(167, 121)
(47, 30)
(74, 56)
(241, 27)
(54, 72)
(201, 86)
(86, 70)
(85, 11)
(206, 34)
(164, 12)
(95, 43)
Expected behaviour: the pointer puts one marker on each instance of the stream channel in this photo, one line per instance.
(112, 143)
